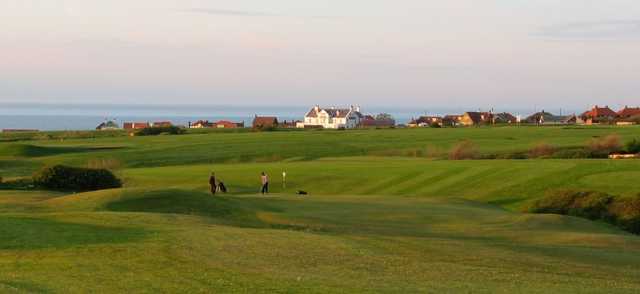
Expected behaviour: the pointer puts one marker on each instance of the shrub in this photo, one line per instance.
(512, 155)
(602, 147)
(65, 178)
(572, 153)
(623, 212)
(627, 212)
(591, 205)
(542, 150)
(557, 202)
(633, 146)
(435, 125)
(464, 150)
(154, 131)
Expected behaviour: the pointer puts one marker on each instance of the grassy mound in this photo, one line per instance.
(177, 201)
(22, 233)
(167, 201)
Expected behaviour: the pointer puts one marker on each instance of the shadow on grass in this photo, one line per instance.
(21, 287)
(18, 233)
(26, 150)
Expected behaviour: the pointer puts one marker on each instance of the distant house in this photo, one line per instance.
(504, 118)
(547, 118)
(599, 115)
(425, 121)
(108, 125)
(162, 124)
(476, 118)
(452, 120)
(333, 118)
(225, 124)
(369, 121)
(629, 112)
(629, 116)
(135, 125)
(260, 122)
(201, 124)
(291, 124)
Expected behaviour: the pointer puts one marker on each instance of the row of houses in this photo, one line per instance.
(596, 115)
(112, 125)
(328, 118)
(352, 117)
(222, 124)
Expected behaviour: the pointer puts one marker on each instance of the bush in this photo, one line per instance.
(557, 202)
(633, 146)
(623, 212)
(542, 150)
(154, 131)
(627, 212)
(464, 150)
(435, 125)
(65, 178)
(572, 153)
(602, 147)
(592, 205)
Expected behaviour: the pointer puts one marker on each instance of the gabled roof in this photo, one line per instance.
(600, 112)
(505, 117)
(333, 112)
(265, 121)
(479, 117)
(426, 120)
(629, 112)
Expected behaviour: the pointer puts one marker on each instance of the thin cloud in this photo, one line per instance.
(595, 30)
(226, 12)
(248, 13)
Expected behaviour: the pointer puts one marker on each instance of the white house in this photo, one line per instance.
(333, 118)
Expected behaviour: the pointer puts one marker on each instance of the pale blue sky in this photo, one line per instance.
(475, 53)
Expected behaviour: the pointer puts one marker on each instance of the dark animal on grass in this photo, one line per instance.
(300, 192)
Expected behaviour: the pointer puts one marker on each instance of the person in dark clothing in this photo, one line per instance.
(212, 183)
(265, 183)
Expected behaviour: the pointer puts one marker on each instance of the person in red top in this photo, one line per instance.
(265, 183)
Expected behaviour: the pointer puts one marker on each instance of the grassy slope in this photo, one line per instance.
(505, 182)
(164, 233)
(276, 146)
(320, 244)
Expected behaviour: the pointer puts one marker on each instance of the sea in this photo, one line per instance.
(65, 116)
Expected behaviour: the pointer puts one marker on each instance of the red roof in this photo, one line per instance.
(161, 124)
(600, 112)
(226, 124)
(135, 125)
(265, 121)
(629, 112)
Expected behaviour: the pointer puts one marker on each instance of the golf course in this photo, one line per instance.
(386, 210)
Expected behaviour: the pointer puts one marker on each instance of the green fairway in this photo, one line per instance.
(386, 212)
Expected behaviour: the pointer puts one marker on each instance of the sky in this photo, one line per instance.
(411, 53)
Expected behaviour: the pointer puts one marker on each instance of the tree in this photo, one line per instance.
(384, 116)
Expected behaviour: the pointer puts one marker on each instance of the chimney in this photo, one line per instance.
(317, 108)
